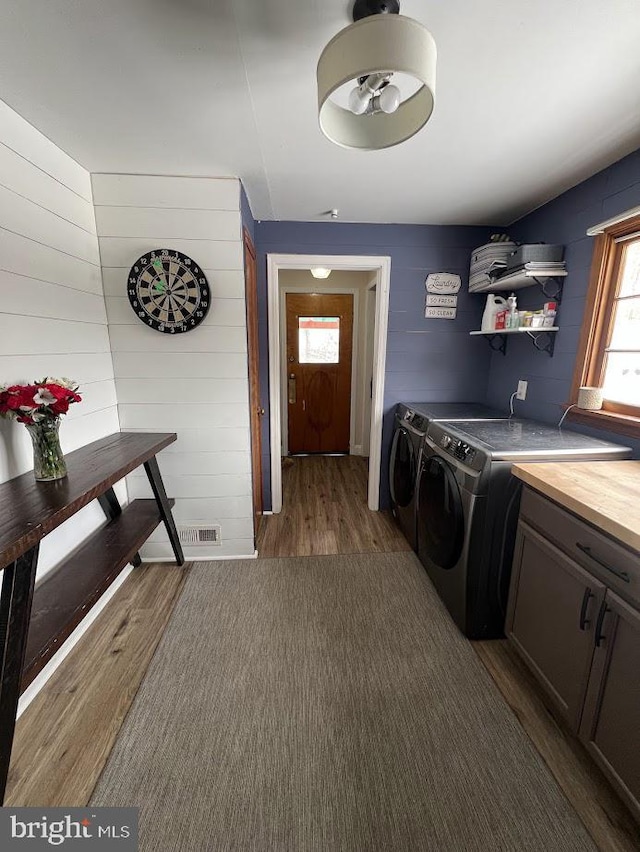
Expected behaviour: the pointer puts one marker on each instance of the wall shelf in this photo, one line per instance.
(498, 339)
(526, 278)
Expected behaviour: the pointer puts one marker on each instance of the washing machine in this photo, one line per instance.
(411, 423)
(467, 504)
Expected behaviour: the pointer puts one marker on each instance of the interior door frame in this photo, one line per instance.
(253, 356)
(329, 291)
(379, 264)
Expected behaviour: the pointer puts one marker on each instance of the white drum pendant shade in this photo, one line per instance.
(377, 43)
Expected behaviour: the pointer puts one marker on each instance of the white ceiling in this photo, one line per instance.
(531, 98)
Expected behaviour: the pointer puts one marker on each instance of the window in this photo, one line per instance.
(318, 340)
(609, 355)
(621, 362)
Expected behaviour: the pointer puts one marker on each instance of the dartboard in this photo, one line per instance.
(168, 291)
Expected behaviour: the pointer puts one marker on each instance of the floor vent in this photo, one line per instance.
(199, 535)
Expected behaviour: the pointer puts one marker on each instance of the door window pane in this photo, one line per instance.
(318, 340)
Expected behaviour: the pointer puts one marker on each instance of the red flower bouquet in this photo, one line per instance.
(40, 401)
(39, 406)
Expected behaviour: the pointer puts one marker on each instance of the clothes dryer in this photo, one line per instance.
(467, 505)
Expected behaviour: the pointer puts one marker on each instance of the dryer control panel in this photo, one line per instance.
(458, 448)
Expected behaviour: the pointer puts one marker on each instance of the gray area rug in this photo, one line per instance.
(327, 703)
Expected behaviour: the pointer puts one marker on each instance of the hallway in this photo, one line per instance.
(325, 511)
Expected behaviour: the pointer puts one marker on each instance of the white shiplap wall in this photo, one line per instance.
(195, 383)
(52, 313)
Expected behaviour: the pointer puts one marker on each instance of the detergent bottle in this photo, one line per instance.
(494, 304)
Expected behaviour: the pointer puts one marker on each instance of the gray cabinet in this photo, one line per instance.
(551, 619)
(611, 720)
(574, 617)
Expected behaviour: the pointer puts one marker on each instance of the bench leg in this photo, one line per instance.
(18, 581)
(157, 486)
(111, 507)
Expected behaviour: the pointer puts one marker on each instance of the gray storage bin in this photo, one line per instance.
(539, 252)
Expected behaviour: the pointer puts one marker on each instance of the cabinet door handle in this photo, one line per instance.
(587, 550)
(604, 609)
(584, 621)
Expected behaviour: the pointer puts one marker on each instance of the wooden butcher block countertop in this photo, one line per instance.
(606, 494)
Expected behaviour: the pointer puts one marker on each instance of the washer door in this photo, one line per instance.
(440, 513)
(402, 477)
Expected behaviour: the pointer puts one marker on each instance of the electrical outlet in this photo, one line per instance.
(522, 390)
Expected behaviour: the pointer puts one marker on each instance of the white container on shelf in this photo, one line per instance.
(493, 305)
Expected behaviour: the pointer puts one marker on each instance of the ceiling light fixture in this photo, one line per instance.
(379, 44)
(320, 272)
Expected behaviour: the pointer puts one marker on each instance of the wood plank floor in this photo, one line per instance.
(65, 735)
(325, 511)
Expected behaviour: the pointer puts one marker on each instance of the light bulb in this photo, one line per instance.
(359, 100)
(320, 272)
(388, 100)
(361, 97)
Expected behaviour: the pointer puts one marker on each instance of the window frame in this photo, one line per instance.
(596, 327)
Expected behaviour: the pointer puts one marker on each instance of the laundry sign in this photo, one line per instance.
(441, 301)
(433, 312)
(442, 282)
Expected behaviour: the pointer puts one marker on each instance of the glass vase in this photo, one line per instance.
(48, 459)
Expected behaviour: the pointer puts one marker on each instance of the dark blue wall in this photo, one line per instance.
(427, 360)
(563, 220)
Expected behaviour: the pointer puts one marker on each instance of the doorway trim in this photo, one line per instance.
(379, 264)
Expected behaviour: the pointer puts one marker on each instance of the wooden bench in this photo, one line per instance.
(35, 620)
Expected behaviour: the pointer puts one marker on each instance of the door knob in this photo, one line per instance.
(261, 412)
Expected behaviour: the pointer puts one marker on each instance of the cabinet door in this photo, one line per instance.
(611, 721)
(553, 604)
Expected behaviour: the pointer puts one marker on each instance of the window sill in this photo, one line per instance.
(623, 424)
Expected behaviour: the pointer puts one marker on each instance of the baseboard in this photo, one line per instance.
(232, 556)
(356, 450)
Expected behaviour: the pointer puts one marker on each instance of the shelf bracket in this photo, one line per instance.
(547, 347)
(498, 342)
(555, 296)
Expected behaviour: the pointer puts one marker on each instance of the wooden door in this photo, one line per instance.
(553, 604)
(256, 412)
(611, 722)
(319, 350)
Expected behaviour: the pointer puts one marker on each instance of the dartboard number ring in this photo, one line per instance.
(168, 291)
